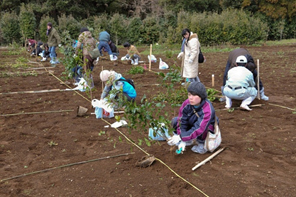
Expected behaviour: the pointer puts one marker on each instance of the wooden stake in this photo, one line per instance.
(150, 57)
(44, 112)
(102, 83)
(258, 85)
(213, 80)
(37, 91)
(208, 159)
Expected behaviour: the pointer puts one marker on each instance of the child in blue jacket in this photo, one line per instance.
(115, 80)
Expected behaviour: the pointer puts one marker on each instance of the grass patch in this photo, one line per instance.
(281, 42)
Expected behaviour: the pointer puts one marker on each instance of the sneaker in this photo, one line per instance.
(44, 59)
(199, 148)
(55, 62)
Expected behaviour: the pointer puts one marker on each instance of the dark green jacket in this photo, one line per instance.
(53, 38)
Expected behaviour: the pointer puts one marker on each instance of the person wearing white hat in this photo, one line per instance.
(114, 80)
(240, 84)
(231, 62)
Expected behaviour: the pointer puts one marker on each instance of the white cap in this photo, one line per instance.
(241, 59)
(104, 75)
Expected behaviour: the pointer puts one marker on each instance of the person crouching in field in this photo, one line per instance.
(231, 62)
(114, 80)
(195, 119)
(132, 53)
(45, 52)
(240, 84)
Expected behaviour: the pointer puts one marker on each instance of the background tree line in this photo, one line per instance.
(150, 21)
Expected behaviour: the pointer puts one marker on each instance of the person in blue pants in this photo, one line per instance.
(104, 38)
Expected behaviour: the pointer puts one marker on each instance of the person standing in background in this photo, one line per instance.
(53, 41)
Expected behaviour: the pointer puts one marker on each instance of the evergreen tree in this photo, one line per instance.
(27, 22)
(10, 27)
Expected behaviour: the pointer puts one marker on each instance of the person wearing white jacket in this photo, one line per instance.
(240, 84)
(190, 55)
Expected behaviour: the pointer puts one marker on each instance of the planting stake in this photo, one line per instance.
(102, 83)
(37, 91)
(44, 112)
(115, 112)
(213, 80)
(208, 159)
(67, 165)
(258, 87)
(150, 57)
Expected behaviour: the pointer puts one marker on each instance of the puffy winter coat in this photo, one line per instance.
(190, 126)
(191, 51)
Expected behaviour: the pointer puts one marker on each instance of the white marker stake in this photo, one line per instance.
(258, 85)
(213, 80)
(208, 159)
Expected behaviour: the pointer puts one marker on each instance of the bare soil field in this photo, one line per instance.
(52, 152)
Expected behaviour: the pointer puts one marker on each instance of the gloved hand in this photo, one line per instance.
(60, 45)
(180, 55)
(190, 61)
(181, 146)
(74, 55)
(172, 141)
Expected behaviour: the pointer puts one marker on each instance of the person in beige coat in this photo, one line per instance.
(89, 43)
(190, 55)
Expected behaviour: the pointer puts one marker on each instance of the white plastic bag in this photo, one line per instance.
(153, 58)
(103, 109)
(81, 85)
(163, 65)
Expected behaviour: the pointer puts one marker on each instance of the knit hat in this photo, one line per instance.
(104, 75)
(49, 24)
(83, 29)
(197, 88)
(241, 59)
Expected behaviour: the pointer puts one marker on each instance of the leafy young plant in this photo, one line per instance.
(211, 94)
(136, 70)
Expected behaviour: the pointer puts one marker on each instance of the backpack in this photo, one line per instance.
(130, 81)
(94, 53)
